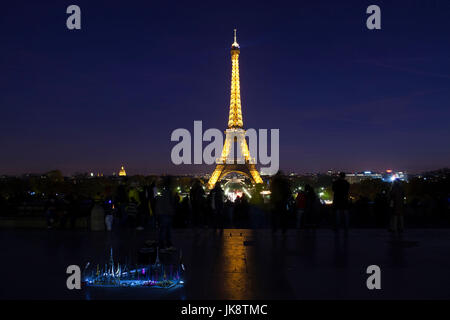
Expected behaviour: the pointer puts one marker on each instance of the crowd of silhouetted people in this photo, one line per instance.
(160, 206)
(154, 207)
(157, 206)
(306, 211)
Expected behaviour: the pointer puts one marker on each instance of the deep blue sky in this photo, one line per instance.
(342, 96)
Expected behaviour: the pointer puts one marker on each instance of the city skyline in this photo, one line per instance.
(123, 171)
(343, 97)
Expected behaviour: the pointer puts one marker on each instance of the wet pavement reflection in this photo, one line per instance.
(237, 263)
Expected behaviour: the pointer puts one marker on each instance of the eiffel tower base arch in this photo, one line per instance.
(248, 170)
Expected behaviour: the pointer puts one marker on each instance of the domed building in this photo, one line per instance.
(122, 172)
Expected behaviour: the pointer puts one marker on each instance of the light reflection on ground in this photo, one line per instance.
(248, 264)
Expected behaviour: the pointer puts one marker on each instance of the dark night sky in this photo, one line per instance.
(342, 96)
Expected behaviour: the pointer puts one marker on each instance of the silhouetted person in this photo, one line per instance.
(74, 210)
(237, 217)
(108, 207)
(341, 189)
(381, 208)
(209, 213)
(165, 210)
(121, 202)
(152, 193)
(310, 205)
(132, 212)
(300, 204)
(97, 215)
(197, 196)
(50, 212)
(244, 209)
(397, 206)
(143, 208)
(217, 201)
(279, 198)
(62, 206)
(228, 212)
(177, 219)
(185, 211)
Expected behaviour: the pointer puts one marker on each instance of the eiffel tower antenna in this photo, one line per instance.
(235, 44)
(229, 162)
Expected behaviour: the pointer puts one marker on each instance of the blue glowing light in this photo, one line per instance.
(155, 275)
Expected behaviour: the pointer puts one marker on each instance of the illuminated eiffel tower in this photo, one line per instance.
(229, 162)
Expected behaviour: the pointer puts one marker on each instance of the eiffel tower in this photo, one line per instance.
(229, 162)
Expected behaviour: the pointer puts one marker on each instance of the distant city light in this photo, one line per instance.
(394, 177)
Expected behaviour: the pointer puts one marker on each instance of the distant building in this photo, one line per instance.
(360, 176)
(387, 176)
(122, 172)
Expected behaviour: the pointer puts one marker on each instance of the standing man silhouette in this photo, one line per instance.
(217, 206)
(397, 206)
(341, 189)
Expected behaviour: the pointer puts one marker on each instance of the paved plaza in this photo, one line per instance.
(238, 264)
